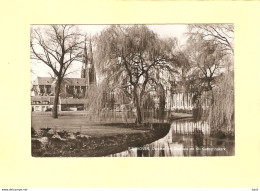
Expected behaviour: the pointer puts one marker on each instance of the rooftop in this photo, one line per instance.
(43, 81)
(68, 81)
(75, 81)
(72, 101)
(42, 99)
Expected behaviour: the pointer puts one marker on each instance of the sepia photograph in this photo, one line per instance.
(132, 90)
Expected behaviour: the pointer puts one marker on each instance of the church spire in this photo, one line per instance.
(88, 69)
(92, 72)
(90, 56)
(84, 61)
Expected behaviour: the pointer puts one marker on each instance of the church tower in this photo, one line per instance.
(84, 62)
(91, 68)
(88, 69)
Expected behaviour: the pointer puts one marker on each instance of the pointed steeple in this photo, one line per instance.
(90, 55)
(92, 72)
(88, 69)
(84, 61)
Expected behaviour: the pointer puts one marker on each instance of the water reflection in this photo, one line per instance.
(185, 138)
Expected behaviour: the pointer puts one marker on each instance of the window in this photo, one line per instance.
(48, 89)
(41, 89)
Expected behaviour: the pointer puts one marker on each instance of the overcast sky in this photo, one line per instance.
(164, 31)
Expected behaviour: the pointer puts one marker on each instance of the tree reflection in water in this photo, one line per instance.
(185, 138)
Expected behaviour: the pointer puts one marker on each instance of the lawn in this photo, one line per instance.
(77, 122)
(83, 125)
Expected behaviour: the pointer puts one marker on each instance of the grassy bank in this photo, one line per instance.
(80, 124)
(69, 144)
(77, 135)
(99, 127)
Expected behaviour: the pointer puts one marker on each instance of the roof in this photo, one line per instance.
(72, 101)
(75, 81)
(67, 81)
(50, 99)
(43, 81)
(42, 99)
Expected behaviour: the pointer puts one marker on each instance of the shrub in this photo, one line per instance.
(198, 137)
(45, 131)
(77, 133)
(63, 134)
(33, 132)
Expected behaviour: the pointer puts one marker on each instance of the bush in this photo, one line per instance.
(77, 133)
(63, 134)
(33, 132)
(198, 137)
(222, 134)
(45, 131)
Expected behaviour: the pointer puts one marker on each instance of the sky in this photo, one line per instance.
(164, 31)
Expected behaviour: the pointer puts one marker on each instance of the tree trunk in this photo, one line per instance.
(138, 114)
(138, 107)
(161, 102)
(56, 99)
(212, 95)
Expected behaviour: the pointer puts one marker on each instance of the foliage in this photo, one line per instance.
(210, 50)
(96, 98)
(206, 60)
(220, 114)
(132, 58)
(197, 137)
(33, 132)
(45, 132)
(63, 134)
(222, 134)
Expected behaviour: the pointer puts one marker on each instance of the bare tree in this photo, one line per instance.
(56, 46)
(221, 34)
(131, 57)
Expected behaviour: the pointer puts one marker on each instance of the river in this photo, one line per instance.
(182, 141)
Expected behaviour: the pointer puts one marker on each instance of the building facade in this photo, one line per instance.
(43, 103)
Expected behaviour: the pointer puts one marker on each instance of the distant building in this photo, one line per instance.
(43, 103)
(183, 97)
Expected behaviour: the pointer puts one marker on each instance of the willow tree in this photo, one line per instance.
(213, 52)
(207, 61)
(58, 47)
(220, 115)
(130, 57)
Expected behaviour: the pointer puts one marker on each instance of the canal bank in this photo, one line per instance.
(67, 144)
(82, 138)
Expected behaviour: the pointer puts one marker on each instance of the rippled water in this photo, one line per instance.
(185, 138)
